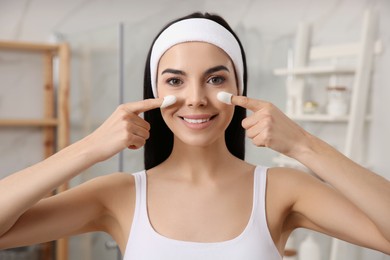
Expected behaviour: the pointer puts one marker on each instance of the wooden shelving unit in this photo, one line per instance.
(29, 122)
(55, 120)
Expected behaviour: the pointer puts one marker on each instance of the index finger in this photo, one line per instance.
(248, 103)
(139, 107)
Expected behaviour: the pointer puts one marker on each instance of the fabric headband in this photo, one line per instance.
(193, 30)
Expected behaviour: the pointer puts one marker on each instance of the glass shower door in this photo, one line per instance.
(94, 96)
(107, 69)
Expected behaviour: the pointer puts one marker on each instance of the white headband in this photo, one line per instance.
(192, 30)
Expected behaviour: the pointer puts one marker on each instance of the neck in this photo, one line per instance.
(196, 162)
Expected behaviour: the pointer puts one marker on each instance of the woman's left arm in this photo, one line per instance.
(270, 127)
(367, 190)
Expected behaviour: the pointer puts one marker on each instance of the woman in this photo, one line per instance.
(197, 197)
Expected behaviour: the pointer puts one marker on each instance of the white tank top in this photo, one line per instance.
(254, 243)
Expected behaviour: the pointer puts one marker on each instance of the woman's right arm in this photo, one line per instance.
(21, 190)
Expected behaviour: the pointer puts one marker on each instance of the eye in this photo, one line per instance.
(216, 80)
(174, 81)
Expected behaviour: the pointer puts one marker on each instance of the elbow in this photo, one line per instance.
(6, 242)
(387, 249)
(5, 238)
(2, 243)
(384, 247)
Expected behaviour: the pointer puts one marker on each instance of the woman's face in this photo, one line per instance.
(195, 72)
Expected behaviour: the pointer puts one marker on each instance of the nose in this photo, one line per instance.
(196, 96)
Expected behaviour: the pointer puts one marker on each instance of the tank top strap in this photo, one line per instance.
(140, 210)
(260, 186)
(260, 192)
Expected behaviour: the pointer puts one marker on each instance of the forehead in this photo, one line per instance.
(194, 53)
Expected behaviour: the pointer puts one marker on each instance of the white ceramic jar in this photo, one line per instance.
(337, 101)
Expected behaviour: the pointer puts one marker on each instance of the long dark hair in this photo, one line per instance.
(160, 143)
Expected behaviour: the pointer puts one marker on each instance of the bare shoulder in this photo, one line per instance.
(285, 186)
(116, 192)
(111, 193)
(96, 205)
(289, 178)
(281, 186)
(113, 186)
(289, 184)
(290, 193)
(118, 179)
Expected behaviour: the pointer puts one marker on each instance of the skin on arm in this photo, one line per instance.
(101, 204)
(22, 190)
(317, 206)
(365, 191)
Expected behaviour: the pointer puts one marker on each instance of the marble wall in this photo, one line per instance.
(267, 30)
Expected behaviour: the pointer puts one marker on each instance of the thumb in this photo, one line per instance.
(248, 103)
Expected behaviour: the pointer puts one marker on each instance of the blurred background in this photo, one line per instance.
(109, 41)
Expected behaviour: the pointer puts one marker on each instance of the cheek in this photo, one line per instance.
(168, 116)
(161, 92)
(226, 111)
(230, 112)
(165, 113)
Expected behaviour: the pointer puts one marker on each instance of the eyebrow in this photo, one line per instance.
(173, 71)
(215, 69)
(209, 71)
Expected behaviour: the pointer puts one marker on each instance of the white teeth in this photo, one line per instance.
(196, 121)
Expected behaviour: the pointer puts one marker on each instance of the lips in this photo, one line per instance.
(198, 121)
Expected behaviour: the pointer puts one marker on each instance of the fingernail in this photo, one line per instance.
(225, 97)
(168, 101)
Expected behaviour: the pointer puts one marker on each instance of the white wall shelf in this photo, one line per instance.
(322, 118)
(360, 56)
(300, 65)
(314, 70)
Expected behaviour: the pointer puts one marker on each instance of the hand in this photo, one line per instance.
(270, 127)
(124, 128)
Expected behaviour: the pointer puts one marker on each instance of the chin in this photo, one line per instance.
(200, 141)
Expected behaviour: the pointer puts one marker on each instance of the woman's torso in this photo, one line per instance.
(247, 238)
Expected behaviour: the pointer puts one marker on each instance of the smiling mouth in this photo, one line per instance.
(197, 120)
